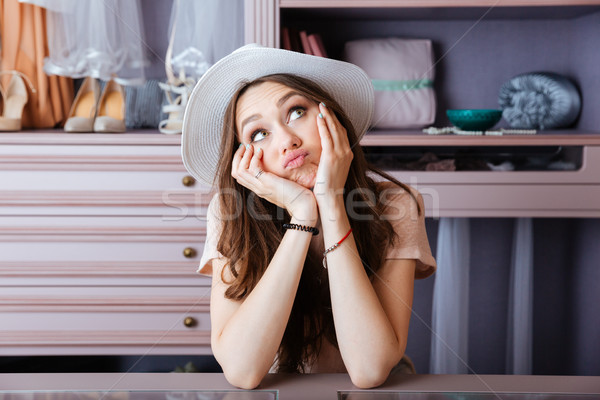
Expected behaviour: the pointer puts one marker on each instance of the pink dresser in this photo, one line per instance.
(100, 237)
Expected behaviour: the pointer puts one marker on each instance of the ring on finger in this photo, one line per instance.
(259, 173)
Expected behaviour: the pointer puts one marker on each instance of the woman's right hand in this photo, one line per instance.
(295, 198)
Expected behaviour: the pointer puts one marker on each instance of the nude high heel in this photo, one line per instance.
(111, 109)
(13, 100)
(83, 110)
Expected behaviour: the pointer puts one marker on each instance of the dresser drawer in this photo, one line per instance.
(94, 167)
(117, 332)
(181, 221)
(100, 248)
(102, 320)
(138, 320)
(98, 180)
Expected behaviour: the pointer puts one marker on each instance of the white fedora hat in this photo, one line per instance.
(203, 119)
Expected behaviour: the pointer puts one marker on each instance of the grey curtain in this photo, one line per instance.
(450, 314)
(520, 301)
(450, 317)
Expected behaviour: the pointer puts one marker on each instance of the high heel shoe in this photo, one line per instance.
(182, 87)
(13, 101)
(111, 109)
(174, 109)
(83, 110)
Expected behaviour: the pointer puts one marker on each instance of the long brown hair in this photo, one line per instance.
(249, 239)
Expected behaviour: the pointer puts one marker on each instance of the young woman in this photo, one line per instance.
(313, 260)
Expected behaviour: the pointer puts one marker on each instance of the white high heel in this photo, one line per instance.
(182, 87)
(175, 107)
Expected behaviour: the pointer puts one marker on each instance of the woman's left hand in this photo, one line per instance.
(336, 157)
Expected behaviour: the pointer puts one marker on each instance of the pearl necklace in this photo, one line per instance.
(454, 130)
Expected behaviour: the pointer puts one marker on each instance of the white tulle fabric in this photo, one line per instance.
(99, 38)
(520, 301)
(202, 32)
(450, 316)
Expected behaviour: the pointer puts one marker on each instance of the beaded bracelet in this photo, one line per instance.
(330, 249)
(304, 228)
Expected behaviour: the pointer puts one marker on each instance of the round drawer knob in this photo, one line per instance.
(189, 252)
(188, 180)
(190, 322)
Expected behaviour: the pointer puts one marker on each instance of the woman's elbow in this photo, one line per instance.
(367, 378)
(238, 373)
(243, 379)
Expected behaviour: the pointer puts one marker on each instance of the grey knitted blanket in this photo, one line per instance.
(539, 100)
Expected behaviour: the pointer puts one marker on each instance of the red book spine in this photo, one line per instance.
(321, 44)
(295, 40)
(316, 45)
(305, 44)
(286, 43)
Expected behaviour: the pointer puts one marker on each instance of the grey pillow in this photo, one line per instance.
(539, 100)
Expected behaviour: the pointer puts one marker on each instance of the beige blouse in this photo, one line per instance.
(401, 211)
(411, 243)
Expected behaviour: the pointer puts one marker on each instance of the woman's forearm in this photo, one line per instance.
(248, 342)
(367, 341)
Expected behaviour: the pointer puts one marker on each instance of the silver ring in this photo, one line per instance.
(259, 173)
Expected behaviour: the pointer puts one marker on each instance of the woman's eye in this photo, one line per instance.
(297, 113)
(258, 135)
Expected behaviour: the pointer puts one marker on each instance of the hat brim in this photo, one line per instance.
(203, 119)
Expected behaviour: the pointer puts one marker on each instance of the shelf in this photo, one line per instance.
(142, 137)
(544, 138)
(428, 3)
(438, 9)
(373, 138)
(445, 13)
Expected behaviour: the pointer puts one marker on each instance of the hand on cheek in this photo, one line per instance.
(336, 154)
(256, 163)
(246, 170)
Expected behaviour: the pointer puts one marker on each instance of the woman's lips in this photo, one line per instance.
(295, 159)
(296, 162)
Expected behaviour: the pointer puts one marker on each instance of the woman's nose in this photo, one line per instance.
(288, 139)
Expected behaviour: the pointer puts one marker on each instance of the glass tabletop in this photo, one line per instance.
(382, 395)
(141, 395)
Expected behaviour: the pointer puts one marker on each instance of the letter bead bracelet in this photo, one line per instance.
(304, 228)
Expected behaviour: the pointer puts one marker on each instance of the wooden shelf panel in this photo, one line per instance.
(58, 136)
(429, 3)
(418, 138)
(372, 138)
(434, 10)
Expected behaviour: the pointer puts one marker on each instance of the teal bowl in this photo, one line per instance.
(474, 120)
